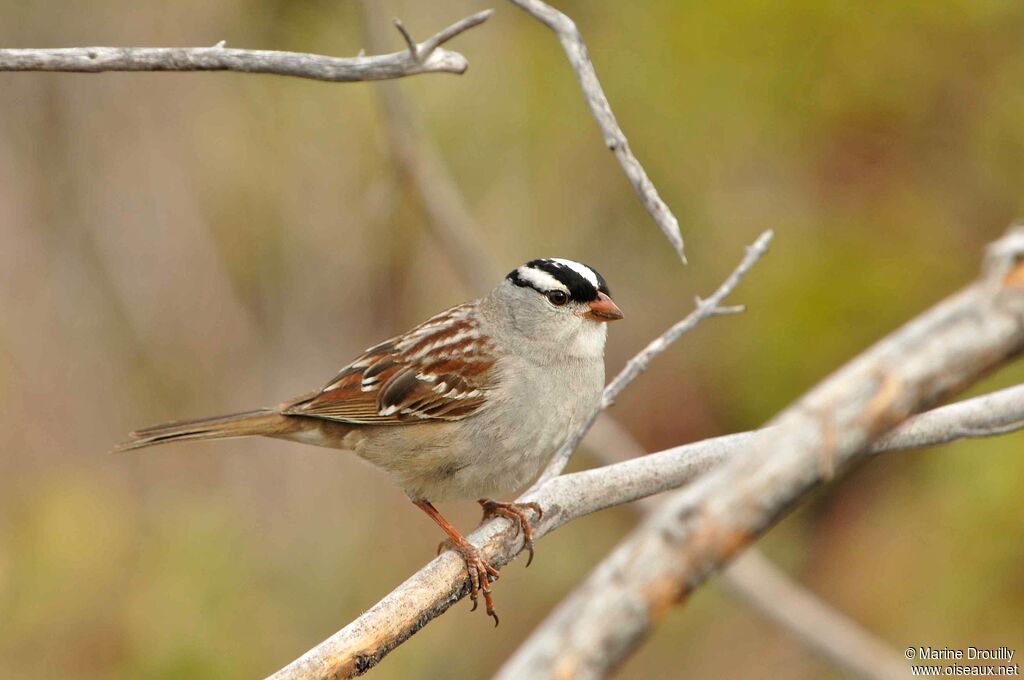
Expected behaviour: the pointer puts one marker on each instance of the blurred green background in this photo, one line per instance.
(179, 245)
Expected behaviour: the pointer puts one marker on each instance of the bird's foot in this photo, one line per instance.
(481, 574)
(516, 512)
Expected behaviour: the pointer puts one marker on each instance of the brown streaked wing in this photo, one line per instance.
(437, 371)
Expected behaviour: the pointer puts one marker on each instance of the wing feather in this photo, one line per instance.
(439, 370)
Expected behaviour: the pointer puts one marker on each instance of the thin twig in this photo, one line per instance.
(704, 309)
(970, 424)
(575, 49)
(698, 529)
(427, 57)
(414, 51)
(440, 38)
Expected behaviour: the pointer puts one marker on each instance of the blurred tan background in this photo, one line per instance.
(179, 245)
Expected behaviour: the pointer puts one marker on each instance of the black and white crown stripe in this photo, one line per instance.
(581, 282)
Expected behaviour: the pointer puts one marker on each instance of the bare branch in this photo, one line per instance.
(700, 528)
(435, 41)
(427, 57)
(754, 580)
(984, 416)
(705, 309)
(575, 49)
(414, 50)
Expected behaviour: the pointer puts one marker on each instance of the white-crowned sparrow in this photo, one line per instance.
(471, 403)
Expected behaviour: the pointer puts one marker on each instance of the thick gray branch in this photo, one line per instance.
(575, 49)
(428, 57)
(700, 528)
(753, 579)
(442, 582)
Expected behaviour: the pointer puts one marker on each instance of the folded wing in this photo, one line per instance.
(439, 370)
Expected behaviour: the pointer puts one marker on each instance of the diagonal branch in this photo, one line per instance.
(698, 529)
(576, 50)
(757, 582)
(426, 57)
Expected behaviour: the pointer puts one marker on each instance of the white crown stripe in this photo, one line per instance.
(541, 280)
(581, 269)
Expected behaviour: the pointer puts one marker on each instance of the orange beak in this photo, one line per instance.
(603, 309)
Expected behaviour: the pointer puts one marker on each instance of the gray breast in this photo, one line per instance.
(516, 440)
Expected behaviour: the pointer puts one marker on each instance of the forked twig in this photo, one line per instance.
(426, 57)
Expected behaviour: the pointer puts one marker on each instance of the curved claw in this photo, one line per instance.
(516, 513)
(480, 575)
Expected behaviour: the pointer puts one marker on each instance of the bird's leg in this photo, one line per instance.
(517, 513)
(480, 573)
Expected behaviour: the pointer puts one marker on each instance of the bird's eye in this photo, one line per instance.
(558, 297)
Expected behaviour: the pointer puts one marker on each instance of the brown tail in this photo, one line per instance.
(267, 422)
